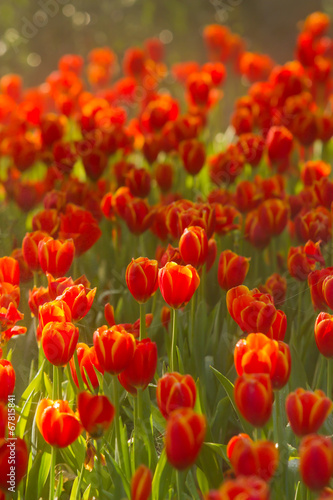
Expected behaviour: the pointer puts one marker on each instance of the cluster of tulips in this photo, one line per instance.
(198, 366)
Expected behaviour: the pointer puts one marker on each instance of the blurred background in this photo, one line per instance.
(35, 33)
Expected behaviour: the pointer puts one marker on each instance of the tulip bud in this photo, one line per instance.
(324, 334)
(185, 433)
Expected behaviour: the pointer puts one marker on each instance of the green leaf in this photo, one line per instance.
(23, 418)
(192, 487)
(74, 489)
(220, 449)
(86, 494)
(161, 479)
(229, 389)
(44, 470)
(48, 384)
(34, 384)
(113, 466)
(202, 481)
(59, 486)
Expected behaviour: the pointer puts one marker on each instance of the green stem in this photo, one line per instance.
(180, 484)
(193, 301)
(279, 437)
(329, 378)
(116, 419)
(99, 468)
(174, 340)
(52, 472)
(142, 321)
(55, 386)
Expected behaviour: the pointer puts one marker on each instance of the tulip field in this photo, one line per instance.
(166, 274)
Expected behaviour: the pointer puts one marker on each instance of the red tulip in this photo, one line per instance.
(142, 367)
(254, 398)
(232, 269)
(175, 391)
(57, 423)
(316, 461)
(59, 340)
(307, 410)
(177, 284)
(88, 363)
(193, 246)
(114, 348)
(141, 278)
(141, 483)
(55, 256)
(185, 433)
(96, 413)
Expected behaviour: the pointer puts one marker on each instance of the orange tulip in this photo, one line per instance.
(114, 348)
(307, 410)
(96, 413)
(232, 269)
(57, 423)
(254, 398)
(141, 483)
(178, 284)
(175, 391)
(141, 278)
(55, 256)
(316, 461)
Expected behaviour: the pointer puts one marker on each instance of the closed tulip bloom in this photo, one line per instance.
(30, 248)
(279, 326)
(96, 413)
(307, 410)
(276, 285)
(248, 458)
(59, 340)
(7, 380)
(316, 461)
(193, 246)
(79, 299)
(88, 362)
(57, 423)
(21, 457)
(324, 334)
(141, 278)
(232, 269)
(211, 255)
(56, 310)
(185, 434)
(141, 483)
(273, 215)
(327, 288)
(178, 284)
(193, 155)
(175, 391)
(142, 368)
(283, 366)
(254, 398)
(55, 256)
(114, 348)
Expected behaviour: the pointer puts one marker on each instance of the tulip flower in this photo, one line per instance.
(324, 334)
(57, 423)
(56, 310)
(79, 299)
(316, 461)
(246, 487)
(30, 248)
(315, 282)
(141, 483)
(10, 450)
(185, 433)
(307, 410)
(141, 369)
(9, 271)
(253, 311)
(254, 398)
(138, 180)
(96, 413)
(276, 286)
(178, 284)
(193, 246)
(141, 278)
(88, 363)
(232, 269)
(175, 391)
(114, 348)
(193, 155)
(7, 379)
(59, 340)
(248, 458)
(55, 256)
(79, 225)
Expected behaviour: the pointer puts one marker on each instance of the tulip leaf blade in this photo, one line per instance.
(229, 389)
(161, 479)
